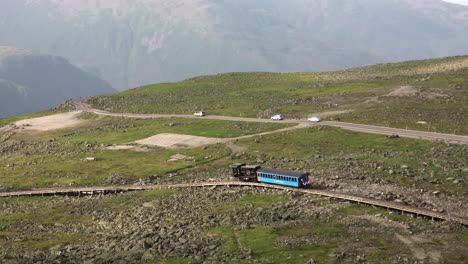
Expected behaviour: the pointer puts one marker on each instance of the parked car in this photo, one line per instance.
(201, 113)
(277, 117)
(315, 119)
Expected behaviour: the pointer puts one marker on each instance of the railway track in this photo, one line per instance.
(127, 188)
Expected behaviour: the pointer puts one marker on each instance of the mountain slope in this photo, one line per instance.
(397, 95)
(32, 82)
(139, 42)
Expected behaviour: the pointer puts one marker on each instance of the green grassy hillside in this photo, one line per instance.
(398, 95)
(242, 224)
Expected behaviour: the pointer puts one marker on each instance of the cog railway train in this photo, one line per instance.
(256, 173)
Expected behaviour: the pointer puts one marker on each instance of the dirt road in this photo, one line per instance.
(456, 139)
(400, 132)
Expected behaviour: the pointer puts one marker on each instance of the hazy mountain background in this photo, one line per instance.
(131, 43)
(34, 82)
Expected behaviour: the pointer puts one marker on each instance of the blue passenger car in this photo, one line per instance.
(283, 177)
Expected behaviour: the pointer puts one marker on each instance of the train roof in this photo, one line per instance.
(283, 172)
(235, 165)
(251, 167)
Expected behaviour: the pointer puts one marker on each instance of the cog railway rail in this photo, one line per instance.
(78, 191)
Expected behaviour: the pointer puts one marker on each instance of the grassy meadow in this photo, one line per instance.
(57, 158)
(439, 95)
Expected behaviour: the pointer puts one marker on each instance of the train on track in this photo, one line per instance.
(255, 173)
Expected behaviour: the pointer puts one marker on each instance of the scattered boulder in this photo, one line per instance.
(90, 159)
(177, 157)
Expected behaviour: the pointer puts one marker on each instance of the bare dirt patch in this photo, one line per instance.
(414, 244)
(177, 157)
(235, 148)
(50, 122)
(332, 113)
(404, 91)
(177, 141)
(138, 148)
(411, 91)
(384, 222)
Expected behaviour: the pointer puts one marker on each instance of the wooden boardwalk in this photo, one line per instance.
(127, 188)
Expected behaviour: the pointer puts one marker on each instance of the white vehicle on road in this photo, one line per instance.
(201, 113)
(314, 119)
(277, 117)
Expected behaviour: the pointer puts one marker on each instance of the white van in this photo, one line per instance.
(201, 113)
(277, 117)
(315, 119)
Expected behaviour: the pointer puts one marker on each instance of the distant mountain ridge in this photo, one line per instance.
(32, 82)
(133, 43)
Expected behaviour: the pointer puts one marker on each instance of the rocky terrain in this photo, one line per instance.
(234, 224)
(215, 225)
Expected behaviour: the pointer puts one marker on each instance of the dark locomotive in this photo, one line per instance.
(255, 173)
